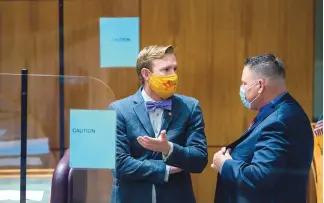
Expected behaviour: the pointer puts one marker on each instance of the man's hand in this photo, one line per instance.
(220, 157)
(160, 144)
(174, 170)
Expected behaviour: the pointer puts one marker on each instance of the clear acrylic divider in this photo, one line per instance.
(44, 122)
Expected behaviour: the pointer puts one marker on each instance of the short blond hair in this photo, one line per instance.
(148, 54)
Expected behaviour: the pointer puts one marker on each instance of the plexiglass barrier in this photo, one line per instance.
(47, 97)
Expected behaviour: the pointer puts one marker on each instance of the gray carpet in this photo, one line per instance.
(40, 184)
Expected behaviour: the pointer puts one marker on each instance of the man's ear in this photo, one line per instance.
(145, 74)
(261, 85)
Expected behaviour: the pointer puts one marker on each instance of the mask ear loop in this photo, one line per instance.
(251, 86)
(255, 98)
(258, 94)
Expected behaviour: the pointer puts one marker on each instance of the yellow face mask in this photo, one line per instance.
(164, 85)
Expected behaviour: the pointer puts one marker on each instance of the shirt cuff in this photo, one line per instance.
(167, 172)
(166, 156)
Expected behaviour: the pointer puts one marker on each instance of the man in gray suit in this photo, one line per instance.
(160, 135)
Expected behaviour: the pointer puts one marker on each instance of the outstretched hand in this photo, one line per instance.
(160, 144)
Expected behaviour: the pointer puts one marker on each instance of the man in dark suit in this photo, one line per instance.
(160, 135)
(270, 162)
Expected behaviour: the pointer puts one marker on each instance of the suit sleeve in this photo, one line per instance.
(268, 163)
(127, 167)
(192, 157)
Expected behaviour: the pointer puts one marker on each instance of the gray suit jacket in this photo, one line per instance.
(137, 169)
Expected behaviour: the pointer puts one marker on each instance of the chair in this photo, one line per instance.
(315, 182)
(68, 184)
(311, 187)
(318, 165)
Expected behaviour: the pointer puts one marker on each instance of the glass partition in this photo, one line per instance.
(44, 127)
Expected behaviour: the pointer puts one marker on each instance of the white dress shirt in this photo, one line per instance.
(156, 121)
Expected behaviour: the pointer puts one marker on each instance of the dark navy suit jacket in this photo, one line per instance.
(271, 160)
(137, 169)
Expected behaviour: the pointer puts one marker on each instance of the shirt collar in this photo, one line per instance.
(145, 96)
(270, 104)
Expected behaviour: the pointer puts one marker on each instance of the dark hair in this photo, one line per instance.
(267, 65)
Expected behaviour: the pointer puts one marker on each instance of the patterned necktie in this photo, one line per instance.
(163, 104)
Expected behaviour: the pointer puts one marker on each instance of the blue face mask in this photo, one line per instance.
(245, 102)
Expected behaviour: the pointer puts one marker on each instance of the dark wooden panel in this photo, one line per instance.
(204, 184)
(82, 54)
(29, 39)
(213, 38)
(286, 30)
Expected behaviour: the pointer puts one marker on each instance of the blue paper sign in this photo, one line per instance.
(119, 42)
(92, 139)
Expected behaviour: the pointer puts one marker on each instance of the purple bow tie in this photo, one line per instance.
(163, 104)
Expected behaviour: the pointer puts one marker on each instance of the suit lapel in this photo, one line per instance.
(142, 114)
(247, 132)
(169, 116)
(166, 120)
(272, 108)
